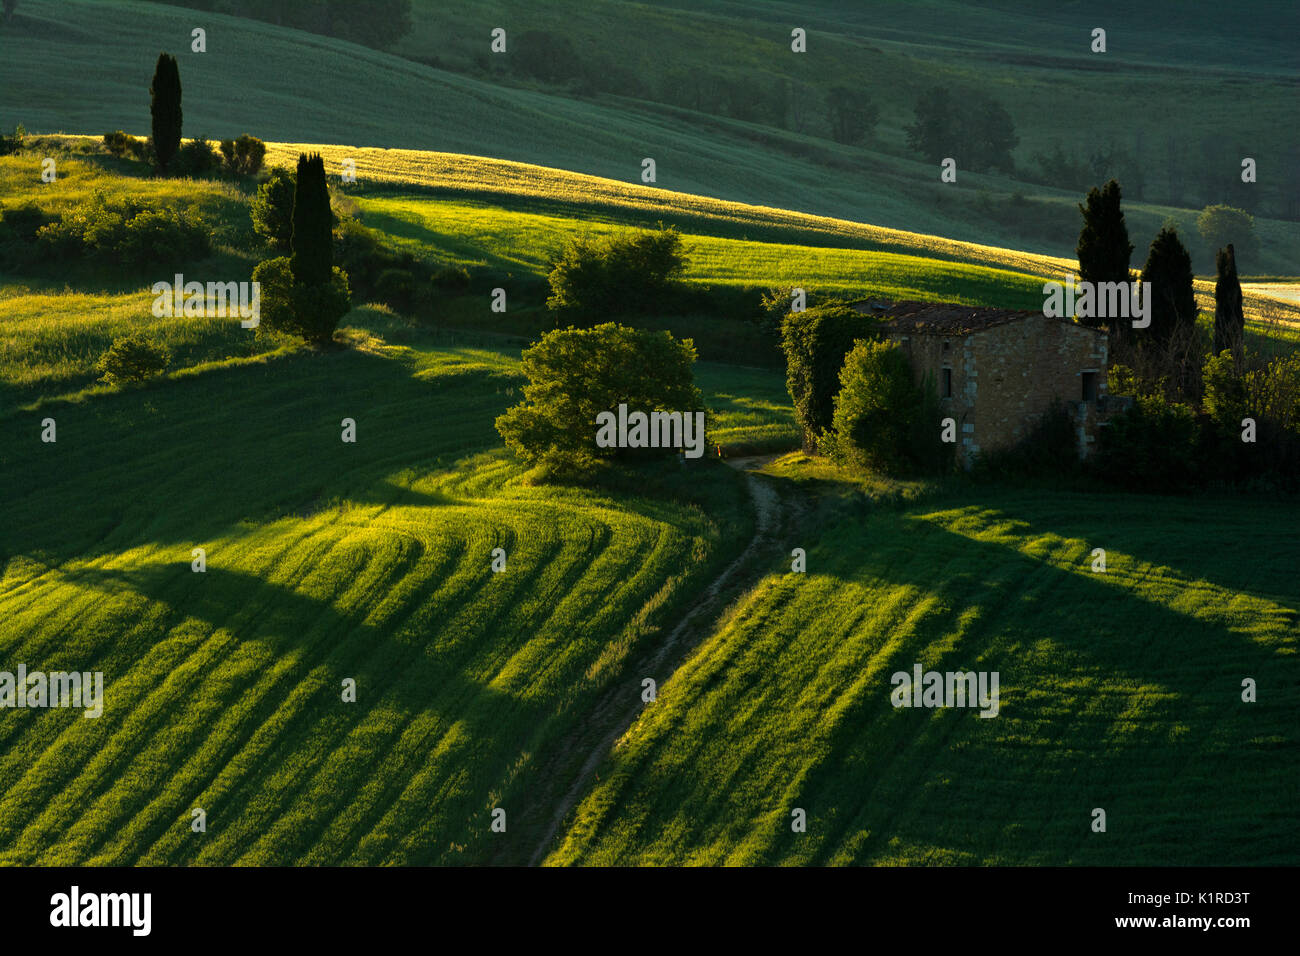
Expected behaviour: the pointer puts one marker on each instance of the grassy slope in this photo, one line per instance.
(479, 234)
(289, 85)
(53, 333)
(325, 561)
(1119, 691)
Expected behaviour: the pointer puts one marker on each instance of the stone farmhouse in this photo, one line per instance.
(998, 370)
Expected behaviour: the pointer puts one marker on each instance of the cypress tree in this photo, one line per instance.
(1229, 314)
(313, 253)
(1167, 280)
(1104, 248)
(165, 108)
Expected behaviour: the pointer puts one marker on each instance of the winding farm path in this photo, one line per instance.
(620, 708)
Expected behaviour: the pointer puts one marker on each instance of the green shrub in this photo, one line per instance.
(1224, 398)
(574, 374)
(13, 143)
(126, 233)
(396, 287)
(293, 308)
(119, 143)
(132, 358)
(142, 149)
(615, 275)
(452, 280)
(271, 208)
(22, 223)
(124, 144)
(774, 305)
(1270, 397)
(816, 342)
(883, 420)
(276, 313)
(161, 235)
(243, 156)
(1151, 447)
(195, 158)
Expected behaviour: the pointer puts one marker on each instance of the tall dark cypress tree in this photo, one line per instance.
(165, 108)
(313, 252)
(1229, 313)
(1167, 279)
(1104, 248)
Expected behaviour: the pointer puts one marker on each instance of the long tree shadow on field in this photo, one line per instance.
(418, 231)
(1164, 751)
(389, 673)
(1230, 544)
(182, 462)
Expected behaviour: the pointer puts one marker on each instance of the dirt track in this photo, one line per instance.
(620, 709)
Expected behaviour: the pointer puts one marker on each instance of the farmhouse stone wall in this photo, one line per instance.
(1004, 377)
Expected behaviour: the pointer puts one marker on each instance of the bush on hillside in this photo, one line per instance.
(574, 374)
(775, 305)
(124, 144)
(289, 307)
(396, 287)
(243, 156)
(118, 143)
(451, 280)
(1221, 225)
(195, 158)
(132, 358)
(615, 275)
(816, 343)
(126, 233)
(14, 142)
(271, 208)
(883, 420)
(22, 223)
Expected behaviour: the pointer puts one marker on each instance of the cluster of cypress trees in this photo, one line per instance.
(304, 294)
(1104, 250)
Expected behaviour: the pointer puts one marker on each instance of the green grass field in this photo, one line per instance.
(1120, 691)
(478, 234)
(324, 561)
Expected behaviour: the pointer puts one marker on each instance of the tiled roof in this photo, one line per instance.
(940, 318)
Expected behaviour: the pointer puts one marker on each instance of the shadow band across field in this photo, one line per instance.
(1100, 707)
(179, 463)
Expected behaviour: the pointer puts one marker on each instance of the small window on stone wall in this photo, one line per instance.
(1089, 386)
(947, 383)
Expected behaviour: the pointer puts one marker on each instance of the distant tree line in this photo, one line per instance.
(374, 23)
(970, 127)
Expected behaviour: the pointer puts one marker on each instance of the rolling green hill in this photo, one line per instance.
(287, 85)
(1119, 690)
(325, 561)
